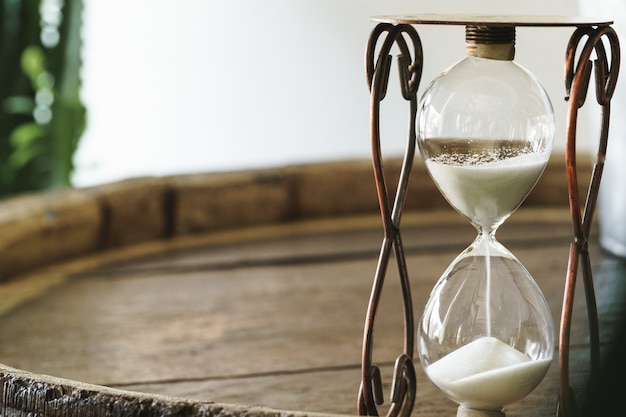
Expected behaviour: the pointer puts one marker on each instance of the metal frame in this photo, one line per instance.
(396, 30)
(410, 67)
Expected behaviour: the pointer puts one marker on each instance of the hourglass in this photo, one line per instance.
(484, 129)
(486, 126)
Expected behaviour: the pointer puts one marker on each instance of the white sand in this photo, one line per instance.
(486, 193)
(487, 374)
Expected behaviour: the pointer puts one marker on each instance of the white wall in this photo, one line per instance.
(208, 85)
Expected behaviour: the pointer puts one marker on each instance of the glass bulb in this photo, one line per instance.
(486, 126)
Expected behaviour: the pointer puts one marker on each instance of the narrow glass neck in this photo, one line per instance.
(488, 233)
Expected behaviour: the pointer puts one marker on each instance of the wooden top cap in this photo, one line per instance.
(493, 20)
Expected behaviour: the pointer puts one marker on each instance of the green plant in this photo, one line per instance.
(41, 116)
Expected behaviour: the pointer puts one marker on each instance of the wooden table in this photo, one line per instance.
(260, 318)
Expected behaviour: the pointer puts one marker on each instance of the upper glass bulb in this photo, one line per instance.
(486, 126)
(486, 111)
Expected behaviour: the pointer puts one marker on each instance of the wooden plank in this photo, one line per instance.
(37, 230)
(312, 390)
(132, 211)
(25, 394)
(219, 201)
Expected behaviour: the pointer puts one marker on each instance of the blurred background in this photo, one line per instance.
(98, 91)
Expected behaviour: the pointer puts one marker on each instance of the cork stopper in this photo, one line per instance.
(491, 42)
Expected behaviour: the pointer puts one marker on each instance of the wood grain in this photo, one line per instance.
(268, 316)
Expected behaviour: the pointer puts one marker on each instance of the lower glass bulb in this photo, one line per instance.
(486, 337)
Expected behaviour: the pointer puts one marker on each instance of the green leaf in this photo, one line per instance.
(33, 64)
(18, 105)
(20, 157)
(24, 136)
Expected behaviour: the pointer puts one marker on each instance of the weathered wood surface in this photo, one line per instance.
(268, 316)
(41, 229)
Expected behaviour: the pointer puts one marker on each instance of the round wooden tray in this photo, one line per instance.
(240, 293)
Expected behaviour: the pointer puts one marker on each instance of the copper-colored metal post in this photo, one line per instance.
(377, 69)
(577, 78)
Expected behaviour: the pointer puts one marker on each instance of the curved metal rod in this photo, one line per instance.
(377, 71)
(404, 387)
(577, 78)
